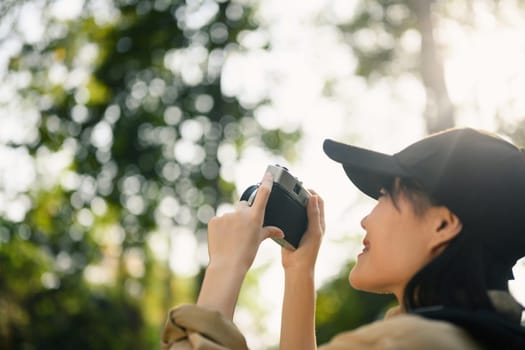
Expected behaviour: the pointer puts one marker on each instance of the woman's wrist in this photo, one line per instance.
(298, 273)
(227, 268)
(300, 267)
(220, 287)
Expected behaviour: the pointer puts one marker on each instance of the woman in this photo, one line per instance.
(447, 228)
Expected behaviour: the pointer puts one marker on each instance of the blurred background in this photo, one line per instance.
(126, 125)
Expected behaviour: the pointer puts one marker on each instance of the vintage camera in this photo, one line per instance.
(286, 207)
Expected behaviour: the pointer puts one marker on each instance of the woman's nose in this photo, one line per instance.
(363, 222)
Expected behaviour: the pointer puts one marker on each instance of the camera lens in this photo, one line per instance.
(249, 194)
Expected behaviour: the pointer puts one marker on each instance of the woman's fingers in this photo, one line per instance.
(320, 204)
(321, 213)
(263, 193)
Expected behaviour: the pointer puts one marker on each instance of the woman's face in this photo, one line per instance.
(397, 244)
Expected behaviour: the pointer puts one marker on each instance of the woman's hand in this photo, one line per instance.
(305, 256)
(234, 238)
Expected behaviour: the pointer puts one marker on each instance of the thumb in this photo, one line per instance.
(272, 232)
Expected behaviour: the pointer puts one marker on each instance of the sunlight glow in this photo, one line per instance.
(183, 251)
(481, 71)
(66, 9)
(306, 79)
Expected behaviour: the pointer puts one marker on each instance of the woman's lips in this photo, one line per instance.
(366, 247)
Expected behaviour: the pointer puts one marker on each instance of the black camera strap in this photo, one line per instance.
(489, 328)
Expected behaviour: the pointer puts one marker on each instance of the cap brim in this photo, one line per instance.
(368, 170)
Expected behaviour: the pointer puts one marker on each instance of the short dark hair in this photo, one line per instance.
(461, 275)
(413, 191)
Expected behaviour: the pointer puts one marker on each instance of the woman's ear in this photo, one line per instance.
(446, 226)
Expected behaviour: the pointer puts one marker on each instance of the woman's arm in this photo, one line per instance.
(233, 240)
(298, 314)
(220, 289)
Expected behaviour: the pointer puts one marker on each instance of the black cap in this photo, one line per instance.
(479, 176)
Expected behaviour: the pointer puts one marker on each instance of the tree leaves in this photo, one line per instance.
(133, 104)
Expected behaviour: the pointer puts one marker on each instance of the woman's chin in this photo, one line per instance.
(360, 280)
(355, 279)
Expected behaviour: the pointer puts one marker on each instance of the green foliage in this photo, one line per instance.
(42, 309)
(374, 34)
(136, 101)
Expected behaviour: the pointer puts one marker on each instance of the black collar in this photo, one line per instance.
(491, 329)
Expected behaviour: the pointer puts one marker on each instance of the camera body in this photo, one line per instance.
(286, 207)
